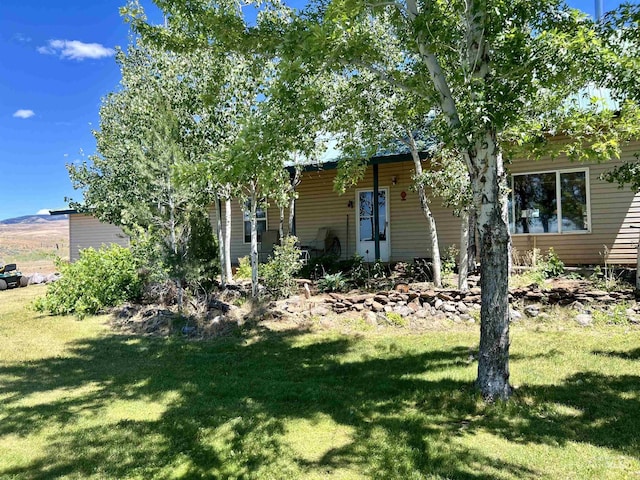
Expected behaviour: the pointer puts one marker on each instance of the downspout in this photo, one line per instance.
(376, 213)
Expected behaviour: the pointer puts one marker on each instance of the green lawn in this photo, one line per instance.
(79, 401)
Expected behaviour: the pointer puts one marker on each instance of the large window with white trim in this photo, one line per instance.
(550, 202)
(261, 222)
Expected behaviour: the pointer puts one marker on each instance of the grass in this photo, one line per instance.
(79, 401)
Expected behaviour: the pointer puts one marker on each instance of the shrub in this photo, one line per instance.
(100, 278)
(244, 268)
(397, 319)
(333, 282)
(450, 260)
(551, 266)
(278, 273)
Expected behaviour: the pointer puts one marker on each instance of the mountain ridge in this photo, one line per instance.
(33, 219)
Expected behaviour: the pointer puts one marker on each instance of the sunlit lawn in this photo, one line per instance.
(79, 401)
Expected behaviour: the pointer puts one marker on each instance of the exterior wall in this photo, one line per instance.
(238, 247)
(613, 211)
(87, 231)
(319, 206)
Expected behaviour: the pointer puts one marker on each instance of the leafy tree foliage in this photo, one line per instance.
(497, 74)
(99, 279)
(148, 130)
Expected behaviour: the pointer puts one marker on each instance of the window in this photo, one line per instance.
(261, 217)
(550, 202)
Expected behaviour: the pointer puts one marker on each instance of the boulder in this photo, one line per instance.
(584, 319)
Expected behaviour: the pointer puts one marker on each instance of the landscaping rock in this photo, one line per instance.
(584, 319)
(377, 306)
(370, 318)
(532, 311)
(515, 315)
(438, 304)
(449, 307)
(319, 311)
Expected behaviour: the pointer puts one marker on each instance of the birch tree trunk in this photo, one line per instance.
(254, 242)
(482, 155)
(221, 242)
(292, 199)
(281, 224)
(472, 249)
(432, 232)
(173, 238)
(292, 209)
(227, 239)
(463, 262)
(489, 185)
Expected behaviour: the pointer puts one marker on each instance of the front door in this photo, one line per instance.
(365, 229)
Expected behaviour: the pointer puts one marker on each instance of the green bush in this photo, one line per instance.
(100, 278)
(244, 267)
(333, 282)
(278, 274)
(551, 266)
(450, 260)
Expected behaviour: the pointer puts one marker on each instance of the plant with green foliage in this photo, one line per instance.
(333, 282)
(397, 319)
(278, 274)
(99, 279)
(551, 266)
(244, 267)
(449, 260)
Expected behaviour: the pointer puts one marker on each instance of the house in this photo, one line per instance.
(553, 203)
(87, 231)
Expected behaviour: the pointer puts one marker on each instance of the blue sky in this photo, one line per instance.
(56, 63)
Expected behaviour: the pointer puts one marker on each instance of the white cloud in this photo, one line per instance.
(23, 113)
(43, 211)
(76, 50)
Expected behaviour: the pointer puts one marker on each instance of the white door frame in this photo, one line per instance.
(385, 245)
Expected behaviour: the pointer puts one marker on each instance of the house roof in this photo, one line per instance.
(62, 212)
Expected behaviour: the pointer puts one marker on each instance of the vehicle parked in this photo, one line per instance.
(10, 277)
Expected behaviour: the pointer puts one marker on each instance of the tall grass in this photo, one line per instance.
(79, 401)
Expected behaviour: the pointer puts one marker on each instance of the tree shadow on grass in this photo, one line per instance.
(224, 407)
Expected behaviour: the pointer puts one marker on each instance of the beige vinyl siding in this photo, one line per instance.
(613, 211)
(87, 231)
(238, 247)
(319, 205)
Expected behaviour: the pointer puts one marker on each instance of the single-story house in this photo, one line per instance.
(87, 231)
(553, 203)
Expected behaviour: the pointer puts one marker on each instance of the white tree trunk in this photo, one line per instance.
(432, 231)
(463, 262)
(173, 238)
(489, 184)
(221, 242)
(472, 250)
(281, 224)
(254, 243)
(227, 239)
(292, 209)
(292, 199)
(484, 162)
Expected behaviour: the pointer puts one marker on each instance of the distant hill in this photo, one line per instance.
(33, 219)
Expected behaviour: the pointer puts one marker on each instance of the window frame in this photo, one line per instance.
(246, 210)
(557, 172)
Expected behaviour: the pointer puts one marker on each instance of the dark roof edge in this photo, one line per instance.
(379, 160)
(62, 212)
